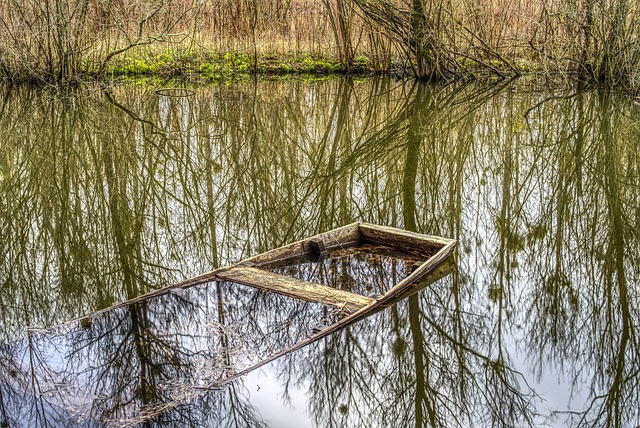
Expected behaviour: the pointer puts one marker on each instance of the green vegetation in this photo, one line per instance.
(218, 67)
(70, 41)
(173, 64)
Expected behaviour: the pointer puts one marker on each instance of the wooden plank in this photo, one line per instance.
(420, 272)
(440, 271)
(344, 236)
(294, 287)
(390, 236)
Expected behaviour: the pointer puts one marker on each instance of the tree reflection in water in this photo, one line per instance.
(146, 359)
(104, 196)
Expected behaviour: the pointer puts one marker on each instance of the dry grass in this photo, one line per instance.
(598, 41)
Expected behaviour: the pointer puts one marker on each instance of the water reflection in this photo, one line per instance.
(104, 196)
(144, 360)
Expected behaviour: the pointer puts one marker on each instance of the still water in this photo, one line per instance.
(109, 194)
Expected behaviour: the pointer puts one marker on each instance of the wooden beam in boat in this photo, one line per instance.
(294, 287)
(344, 236)
(390, 236)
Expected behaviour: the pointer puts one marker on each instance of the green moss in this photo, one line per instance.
(218, 67)
(316, 64)
(133, 66)
(467, 64)
(361, 64)
(273, 64)
(361, 60)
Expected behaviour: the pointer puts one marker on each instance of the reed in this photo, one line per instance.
(63, 40)
(596, 41)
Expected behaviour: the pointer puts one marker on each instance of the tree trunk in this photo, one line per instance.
(421, 46)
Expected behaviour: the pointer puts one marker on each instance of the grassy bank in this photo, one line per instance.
(69, 40)
(205, 66)
(215, 67)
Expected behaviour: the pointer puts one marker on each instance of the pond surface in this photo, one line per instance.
(106, 195)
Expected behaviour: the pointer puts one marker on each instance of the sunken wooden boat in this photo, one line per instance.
(421, 253)
(197, 336)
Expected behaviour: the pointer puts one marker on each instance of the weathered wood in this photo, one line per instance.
(420, 272)
(315, 249)
(389, 236)
(314, 246)
(424, 272)
(294, 287)
(342, 237)
(440, 271)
